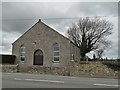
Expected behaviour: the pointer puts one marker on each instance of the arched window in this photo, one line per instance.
(56, 52)
(22, 53)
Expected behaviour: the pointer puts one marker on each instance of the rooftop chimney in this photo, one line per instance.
(39, 20)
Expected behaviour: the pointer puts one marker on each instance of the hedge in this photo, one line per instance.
(7, 59)
(112, 64)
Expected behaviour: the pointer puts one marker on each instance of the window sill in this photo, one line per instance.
(22, 62)
(56, 61)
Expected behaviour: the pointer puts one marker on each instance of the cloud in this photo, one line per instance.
(19, 17)
(7, 40)
(35, 10)
(19, 26)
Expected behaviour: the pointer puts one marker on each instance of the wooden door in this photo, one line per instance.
(38, 57)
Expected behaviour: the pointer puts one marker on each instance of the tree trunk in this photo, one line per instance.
(83, 57)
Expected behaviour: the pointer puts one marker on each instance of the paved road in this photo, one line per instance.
(20, 80)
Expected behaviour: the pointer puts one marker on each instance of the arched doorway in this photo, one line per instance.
(38, 57)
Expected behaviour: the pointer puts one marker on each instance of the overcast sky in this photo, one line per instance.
(19, 17)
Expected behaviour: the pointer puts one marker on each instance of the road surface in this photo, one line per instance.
(22, 80)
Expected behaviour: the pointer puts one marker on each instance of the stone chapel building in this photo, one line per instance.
(42, 45)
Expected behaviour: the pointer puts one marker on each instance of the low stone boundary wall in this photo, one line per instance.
(9, 68)
(46, 70)
(90, 69)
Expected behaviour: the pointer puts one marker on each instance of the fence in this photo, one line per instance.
(7, 59)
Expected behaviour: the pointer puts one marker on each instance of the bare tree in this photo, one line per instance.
(89, 34)
(94, 56)
(100, 51)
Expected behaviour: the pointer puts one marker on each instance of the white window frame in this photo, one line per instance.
(22, 52)
(56, 51)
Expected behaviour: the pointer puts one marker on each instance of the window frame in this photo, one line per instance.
(22, 53)
(54, 51)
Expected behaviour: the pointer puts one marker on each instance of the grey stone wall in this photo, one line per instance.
(91, 69)
(46, 70)
(9, 68)
(74, 52)
(41, 36)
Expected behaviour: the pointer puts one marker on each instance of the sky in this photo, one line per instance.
(18, 17)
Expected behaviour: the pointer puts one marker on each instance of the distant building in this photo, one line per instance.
(41, 45)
